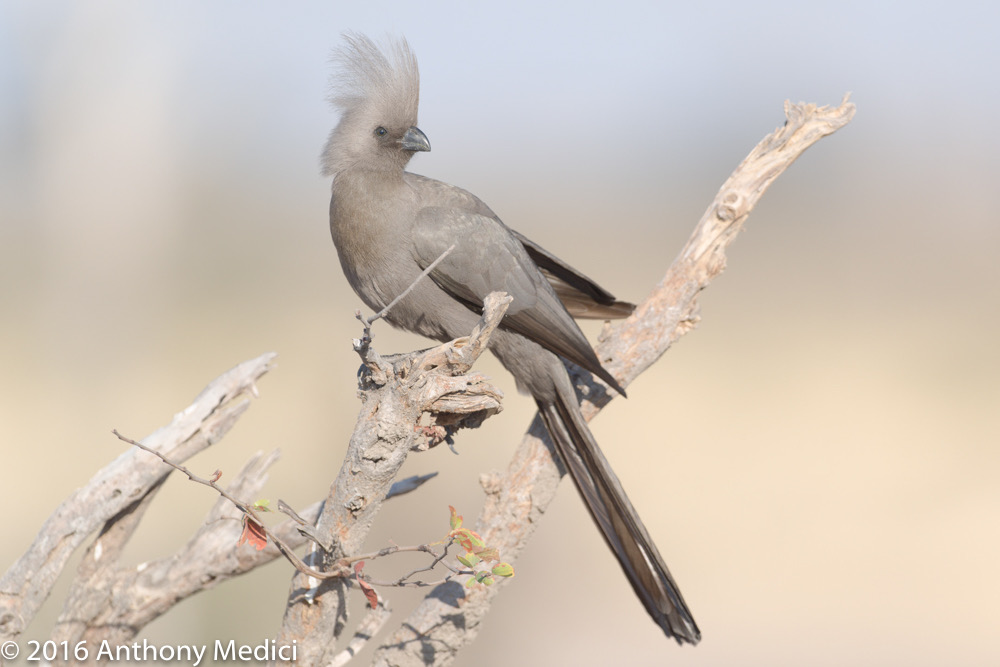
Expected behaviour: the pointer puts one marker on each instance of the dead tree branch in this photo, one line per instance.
(116, 497)
(112, 602)
(248, 510)
(449, 617)
(407, 403)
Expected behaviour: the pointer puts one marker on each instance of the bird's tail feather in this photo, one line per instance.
(620, 524)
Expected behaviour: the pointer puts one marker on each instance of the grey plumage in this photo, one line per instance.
(388, 225)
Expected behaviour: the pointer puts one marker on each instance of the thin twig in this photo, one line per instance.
(285, 550)
(382, 313)
(363, 345)
(396, 583)
(401, 582)
(341, 568)
(287, 510)
(438, 559)
(29, 581)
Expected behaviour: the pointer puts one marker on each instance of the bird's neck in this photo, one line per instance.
(364, 201)
(366, 179)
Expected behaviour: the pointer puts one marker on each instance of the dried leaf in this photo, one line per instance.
(487, 553)
(253, 533)
(366, 588)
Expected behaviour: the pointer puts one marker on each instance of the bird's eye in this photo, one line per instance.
(381, 131)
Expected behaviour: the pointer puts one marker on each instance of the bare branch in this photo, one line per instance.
(113, 602)
(246, 508)
(449, 618)
(117, 488)
(110, 602)
(340, 569)
(404, 580)
(394, 398)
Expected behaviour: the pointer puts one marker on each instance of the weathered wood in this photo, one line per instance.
(397, 396)
(119, 489)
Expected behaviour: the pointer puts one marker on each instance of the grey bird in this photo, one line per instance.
(389, 225)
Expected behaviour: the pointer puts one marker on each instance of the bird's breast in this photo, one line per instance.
(371, 226)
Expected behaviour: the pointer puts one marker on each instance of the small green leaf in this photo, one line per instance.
(468, 560)
(503, 570)
(262, 505)
(456, 519)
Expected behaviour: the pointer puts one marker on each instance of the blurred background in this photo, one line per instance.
(818, 461)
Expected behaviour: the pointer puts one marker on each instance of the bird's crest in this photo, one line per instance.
(370, 86)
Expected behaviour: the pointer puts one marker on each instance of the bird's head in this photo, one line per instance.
(377, 92)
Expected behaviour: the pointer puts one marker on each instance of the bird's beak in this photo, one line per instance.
(415, 140)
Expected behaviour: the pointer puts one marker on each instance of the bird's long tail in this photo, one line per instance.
(613, 512)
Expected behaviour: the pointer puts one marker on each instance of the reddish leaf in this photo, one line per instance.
(456, 520)
(467, 539)
(366, 588)
(216, 475)
(253, 533)
(487, 553)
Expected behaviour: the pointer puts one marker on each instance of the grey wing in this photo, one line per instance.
(488, 258)
(583, 298)
(482, 261)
